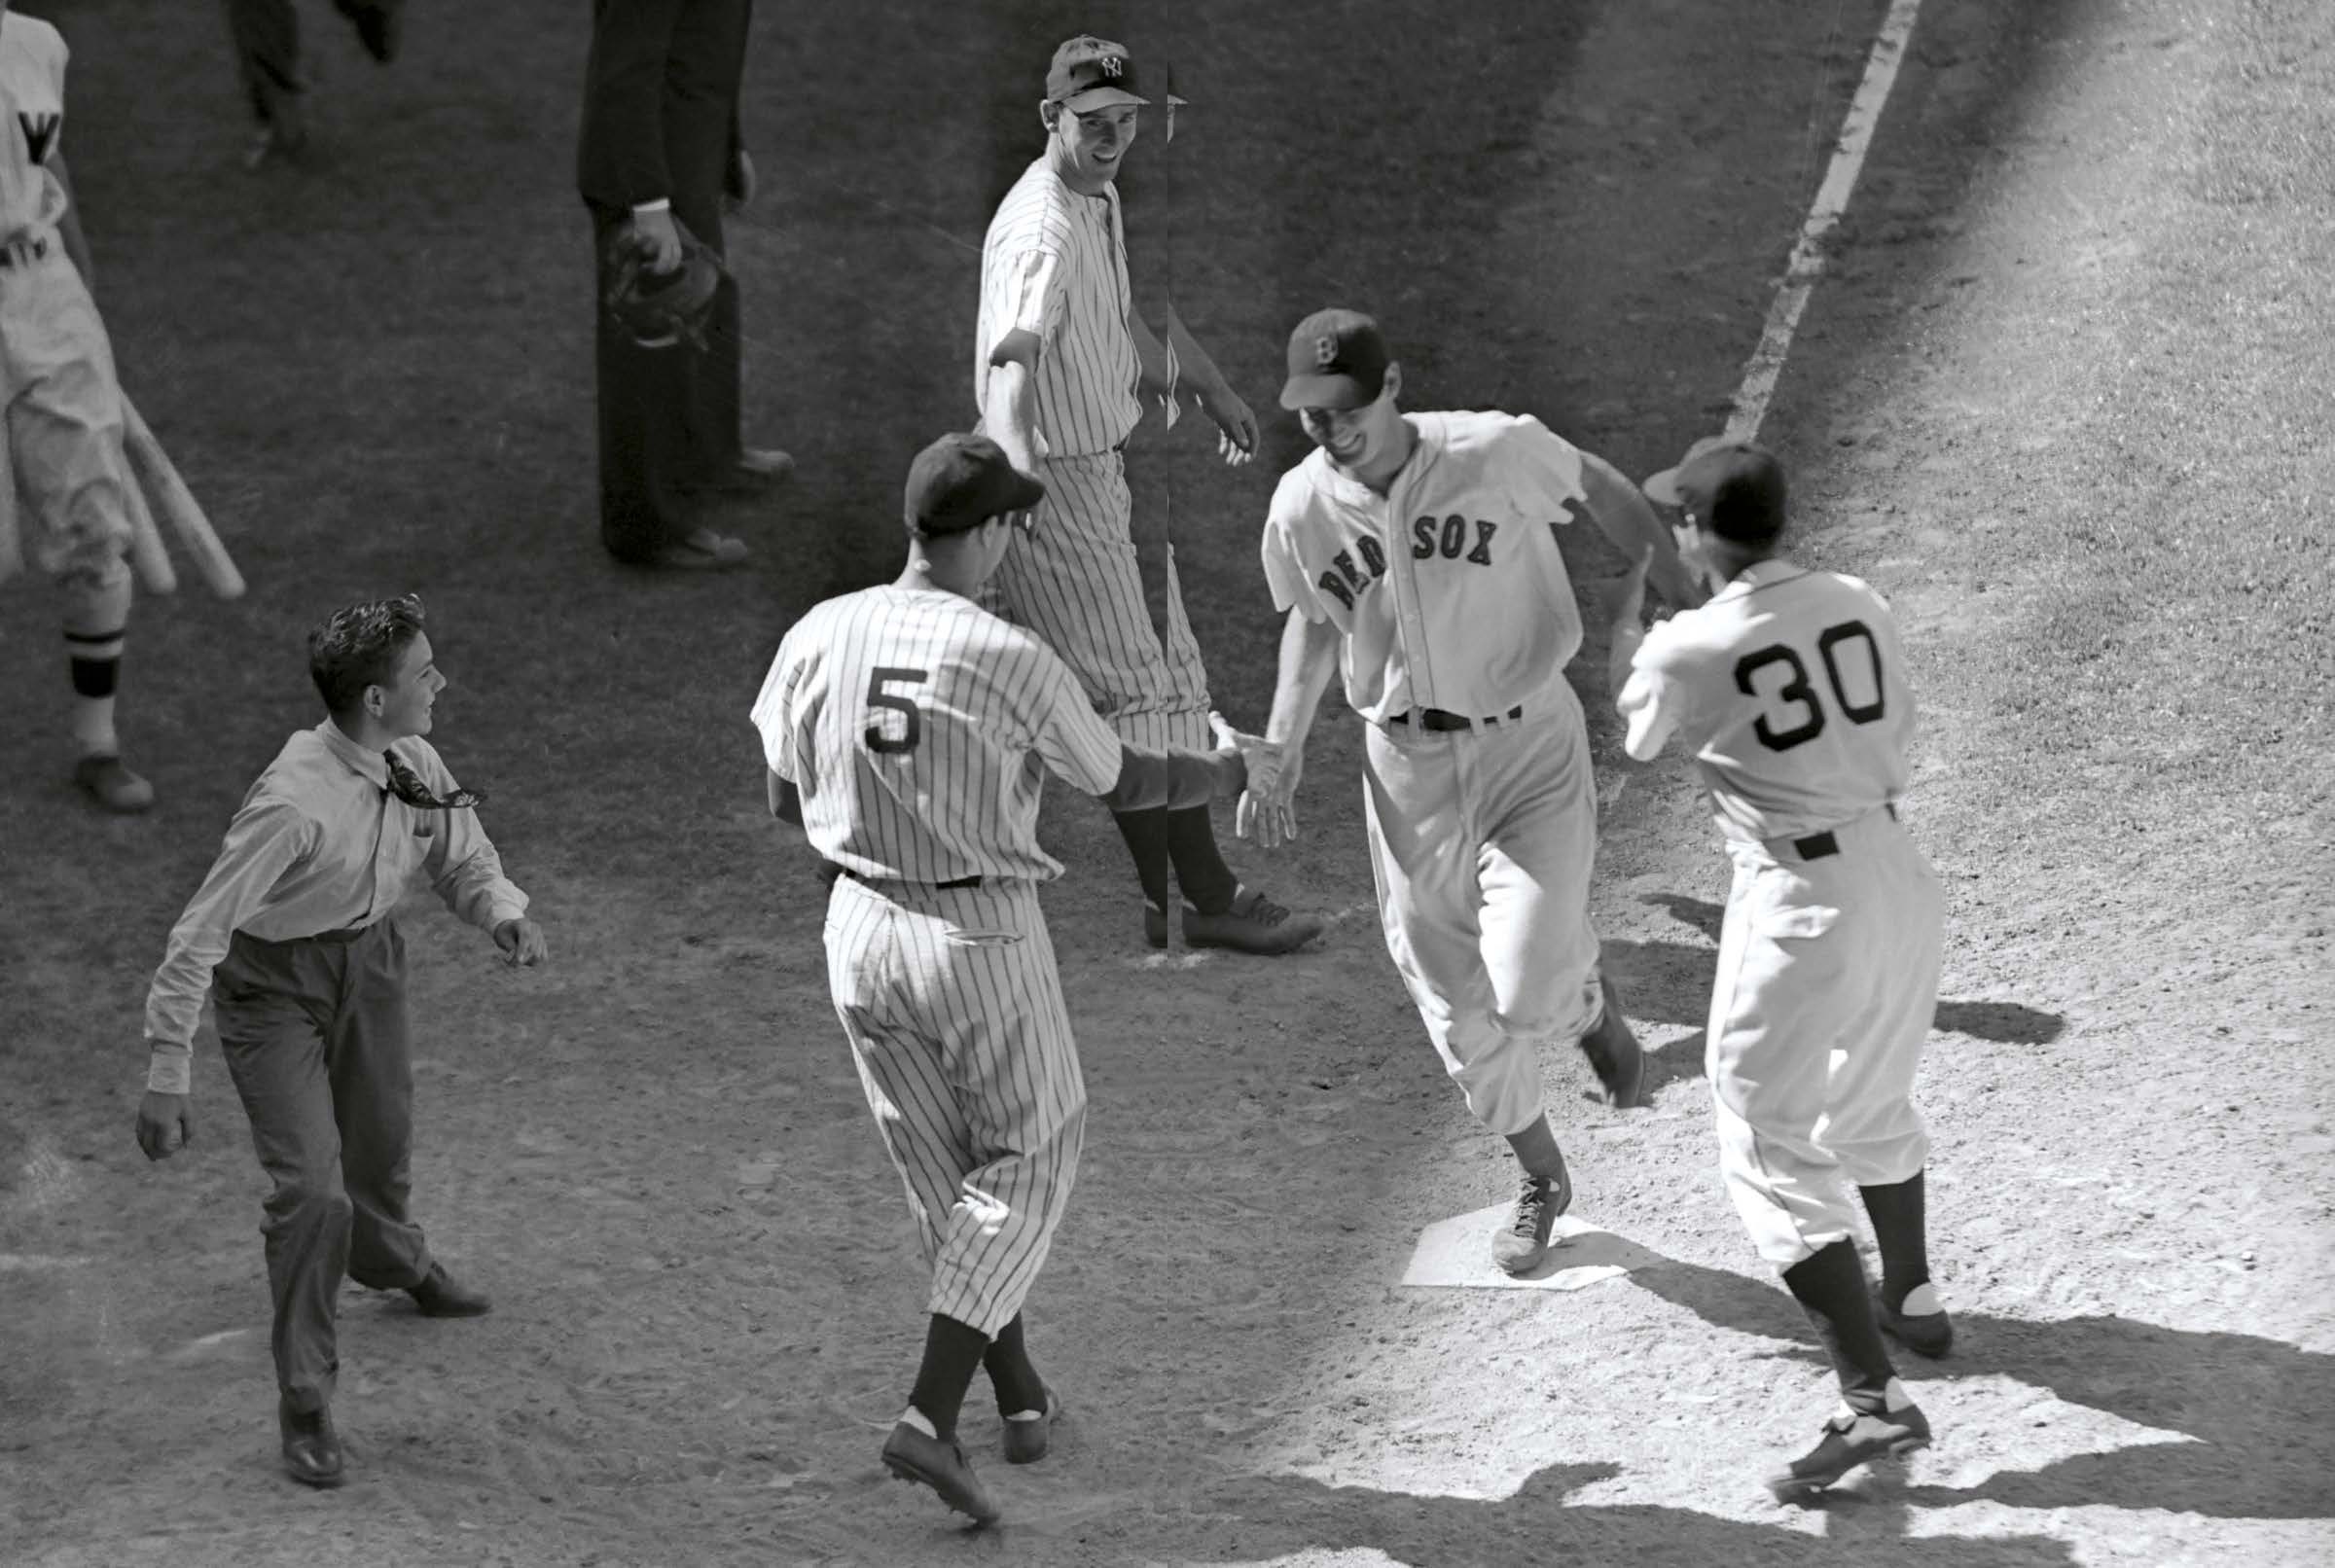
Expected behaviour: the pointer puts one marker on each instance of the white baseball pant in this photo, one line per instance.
(956, 1017)
(1827, 985)
(1482, 842)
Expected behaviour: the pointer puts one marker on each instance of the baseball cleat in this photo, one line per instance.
(313, 1453)
(1253, 924)
(440, 1297)
(112, 786)
(1523, 1245)
(1920, 1324)
(379, 27)
(1027, 1438)
(941, 1464)
(1852, 1438)
(1613, 1054)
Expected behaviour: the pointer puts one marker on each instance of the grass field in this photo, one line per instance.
(2062, 396)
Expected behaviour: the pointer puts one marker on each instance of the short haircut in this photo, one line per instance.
(359, 647)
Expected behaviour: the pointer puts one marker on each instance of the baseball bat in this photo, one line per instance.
(179, 505)
(147, 556)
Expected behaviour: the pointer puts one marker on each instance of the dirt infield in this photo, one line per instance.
(2062, 397)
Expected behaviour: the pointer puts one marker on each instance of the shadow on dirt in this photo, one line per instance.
(2240, 1401)
(1272, 1518)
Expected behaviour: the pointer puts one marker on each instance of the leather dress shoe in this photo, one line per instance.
(313, 1453)
(440, 1297)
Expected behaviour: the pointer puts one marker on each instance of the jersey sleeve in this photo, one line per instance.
(1654, 700)
(1284, 571)
(1037, 293)
(1544, 468)
(773, 714)
(1066, 733)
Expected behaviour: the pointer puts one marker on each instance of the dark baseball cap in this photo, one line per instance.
(1092, 73)
(1337, 359)
(1733, 488)
(961, 481)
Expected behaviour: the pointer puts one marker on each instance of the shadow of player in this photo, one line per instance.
(2251, 1409)
(1275, 1517)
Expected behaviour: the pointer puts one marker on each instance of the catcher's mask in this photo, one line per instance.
(661, 310)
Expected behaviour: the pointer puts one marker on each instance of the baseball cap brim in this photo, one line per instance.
(1663, 488)
(1326, 392)
(1078, 103)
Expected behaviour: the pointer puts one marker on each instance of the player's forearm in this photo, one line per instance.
(1627, 637)
(1176, 779)
(1628, 520)
(1010, 414)
(1200, 372)
(1308, 658)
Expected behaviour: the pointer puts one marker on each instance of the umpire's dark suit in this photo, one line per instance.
(660, 120)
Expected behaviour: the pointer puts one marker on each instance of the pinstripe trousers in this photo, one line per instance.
(1075, 582)
(955, 1014)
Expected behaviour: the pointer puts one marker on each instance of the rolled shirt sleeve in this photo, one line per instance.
(463, 866)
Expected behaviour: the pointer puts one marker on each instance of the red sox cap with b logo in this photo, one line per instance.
(1337, 359)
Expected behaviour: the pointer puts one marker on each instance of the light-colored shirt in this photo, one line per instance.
(319, 844)
(915, 726)
(1450, 588)
(1053, 264)
(32, 125)
(1789, 688)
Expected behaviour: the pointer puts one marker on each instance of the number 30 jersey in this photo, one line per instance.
(914, 725)
(1789, 687)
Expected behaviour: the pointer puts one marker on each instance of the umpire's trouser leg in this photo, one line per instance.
(647, 453)
(266, 41)
(315, 1036)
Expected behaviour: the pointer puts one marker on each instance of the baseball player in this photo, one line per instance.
(903, 728)
(64, 500)
(289, 935)
(1061, 357)
(1419, 555)
(1789, 689)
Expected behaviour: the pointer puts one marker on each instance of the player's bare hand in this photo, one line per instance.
(659, 241)
(739, 184)
(1236, 425)
(1268, 810)
(165, 1123)
(1260, 759)
(521, 941)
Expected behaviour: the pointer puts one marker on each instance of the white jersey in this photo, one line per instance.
(1055, 265)
(32, 95)
(1450, 588)
(912, 722)
(1789, 687)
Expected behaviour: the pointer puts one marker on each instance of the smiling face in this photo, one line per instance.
(1089, 147)
(1359, 440)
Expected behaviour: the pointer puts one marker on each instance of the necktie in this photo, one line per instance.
(406, 786)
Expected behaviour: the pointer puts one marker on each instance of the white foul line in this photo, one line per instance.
(1832, 200)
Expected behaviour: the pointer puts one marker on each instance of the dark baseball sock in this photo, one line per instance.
(1830, 1288)
(1146, 835)
(1011, 1376)
(953, 1352)
(1207, 882)
(1898, 1229)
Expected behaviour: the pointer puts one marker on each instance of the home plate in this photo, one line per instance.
(1458, 1252)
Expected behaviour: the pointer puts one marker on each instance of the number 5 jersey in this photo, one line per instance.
(1791, 689)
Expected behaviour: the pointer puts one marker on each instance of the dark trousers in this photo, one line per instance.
(315, 1035)
(667, 416)
(266, 41)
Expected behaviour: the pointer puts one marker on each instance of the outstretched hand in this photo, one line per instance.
(1267, 812)
(1236, 424)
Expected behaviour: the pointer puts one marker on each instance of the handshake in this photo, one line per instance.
(1267, 812)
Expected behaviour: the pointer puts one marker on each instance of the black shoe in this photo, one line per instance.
(1027, 1441)
(378, 26)
(313, 1453)
(1523, 1244)
(1851, 1438)
(1925, 1330)
(439, 1296)
(940, 1465)
(1251, 924)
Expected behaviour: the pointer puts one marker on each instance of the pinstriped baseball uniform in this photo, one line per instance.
(1789, 688)
(1452, 596)
(1054, 264)
(913, 723)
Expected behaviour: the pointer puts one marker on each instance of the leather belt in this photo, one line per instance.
(830, 870)
(1440, 721)
(1819, 845)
